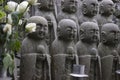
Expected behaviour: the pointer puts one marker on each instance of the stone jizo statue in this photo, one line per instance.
(68, 10)
(63, 50)
(87, 49)
(35, 58)
(89, 10)
(106, 9)
(108, 50)
(47, 10)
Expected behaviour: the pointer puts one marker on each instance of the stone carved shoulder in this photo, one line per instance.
(118, 49)
(57, 47)
(81, 49)
(27, 46)
(81, 19)
(60, 16)
(102, 50)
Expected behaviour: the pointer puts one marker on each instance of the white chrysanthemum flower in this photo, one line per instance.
(32, 2)
(31, 27)
(17, 8)
(22, 7)
(8, 28)
(20, 22)
(10, 19)
(12, 5)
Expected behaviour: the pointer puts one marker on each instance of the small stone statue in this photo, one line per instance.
(108, 50)
(35, 60)
(63, 50)
(116, 14)
(68, 10)
(47, 10)
(89, 11)
(106, 9)
(87, 49)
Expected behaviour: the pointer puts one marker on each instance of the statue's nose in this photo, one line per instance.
(42, 30)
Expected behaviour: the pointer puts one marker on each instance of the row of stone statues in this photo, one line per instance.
(82, 32)
(69, 32)
(40, 61)
(80, 11)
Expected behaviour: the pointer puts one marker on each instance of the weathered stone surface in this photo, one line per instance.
(63, 50)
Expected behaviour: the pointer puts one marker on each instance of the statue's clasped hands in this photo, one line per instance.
(70, 53)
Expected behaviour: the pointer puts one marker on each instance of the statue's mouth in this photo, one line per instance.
(73, 8)
(116, 40)
(94, 12)
(41, 34)
(95, 38)
(71, 37)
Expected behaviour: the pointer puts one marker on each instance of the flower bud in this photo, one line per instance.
(11, 6)
(10, 19)
(22, 7)
(8, 28)
(31, 27)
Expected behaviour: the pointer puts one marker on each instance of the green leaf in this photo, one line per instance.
(15, 45)
(6, 9)
(11, 67)
(2, 14)
(7, 60)
(15, 17)
(1, 8)
(1, 1)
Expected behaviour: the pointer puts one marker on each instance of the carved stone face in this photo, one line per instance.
(117, 11)
(89, 32)
(67, 30)
(41, 27)
(41, 30)
(90, 7)
(46, 5)
(106, 8)
(69, 6)
(110, 34)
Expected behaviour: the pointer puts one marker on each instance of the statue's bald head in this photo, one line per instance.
(106, 7)
(106, 2)
(69, 6)
(89, 1)
(41, 27)
(89, 32)
(110, 34)
(66, 22)
(37, 20)
(66, 30)
(110, 27)
(89, 25)
(89, 7)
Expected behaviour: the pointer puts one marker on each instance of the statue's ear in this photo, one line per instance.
(103, 36)
(81, 33)
(58, 31)
(84, 6)
(62, 2)
(101, 9)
